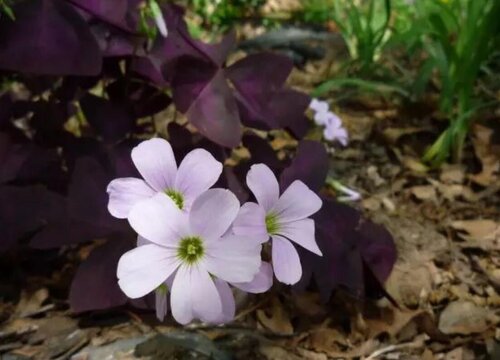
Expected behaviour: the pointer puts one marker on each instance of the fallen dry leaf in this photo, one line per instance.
(490, 162)
(424, 192)
(326, 340)
(31, 303)
(276, 353)
(452, 192)
(309, 304)
(481, 233)
(278, 321)
(410, 282)
(452, 174)
(464, 318)
(393, 322)
(392, 135)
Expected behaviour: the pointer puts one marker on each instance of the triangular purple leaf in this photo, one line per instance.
(310, 165)
(48, 37)
(95, 285)
(112, 120)
(215, 113)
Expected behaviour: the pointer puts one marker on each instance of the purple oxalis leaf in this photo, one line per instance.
(95, 285)
(350, 244)
(85, 215)
(146, 100)
(259, 81)
(48, 37)
(113, 12)
(112, 120)
(26, 209)
(310, 165)
(26, 161)
(215, 113)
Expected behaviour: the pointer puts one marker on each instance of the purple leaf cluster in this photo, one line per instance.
(79, 86)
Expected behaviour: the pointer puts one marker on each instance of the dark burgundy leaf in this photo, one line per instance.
(232, 181)
(112, 11)
(12, 158)
(48, 120)
(347, 251)
(146, 100)
(26, 209)
(262, 99)
(258, 76)
(88, 200)
(377, 249)
(26, 161)
(48, 37)
(149, 68)
(219, 52)
(180, 138)
(95, 285)
(5, 110)
(288, 107)
(112, 120)
(192, 76)
(121, 161)
(262, 152)
(113, 42)
(86, 216)
(215, 113)
(310, 165)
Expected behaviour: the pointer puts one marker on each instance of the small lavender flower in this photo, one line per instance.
(194, 250)
(156, 163)
(284, 218)
(333, 131)
(319, 106)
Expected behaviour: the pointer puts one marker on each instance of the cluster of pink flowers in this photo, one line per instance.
(195, 242)
(333, 131)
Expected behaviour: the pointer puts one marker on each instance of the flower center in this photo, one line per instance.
(190, 249)
(272, 225)
(176, 196)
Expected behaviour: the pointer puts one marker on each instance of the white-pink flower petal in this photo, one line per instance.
(144, 268)
(301, 232)
(227, 299)
(286, 261)
(159, 220)
(198, 171)
(233, 258)
(264, 186)
(212, 213)
(124, 193)
(180, 296)
(296, 203)
(207, 304)
(261, 282)
(251, 220)
(155, 161)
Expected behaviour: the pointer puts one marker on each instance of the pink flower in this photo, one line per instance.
(190, 251)
(334, 131)
(156, 163)
(319, 106)
(261, 283)
(284, 218)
